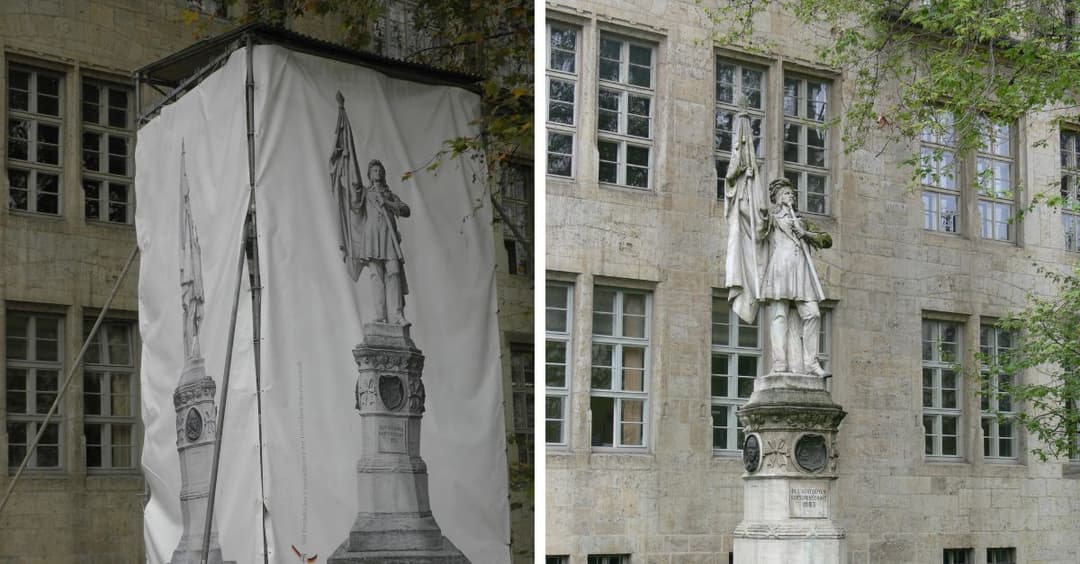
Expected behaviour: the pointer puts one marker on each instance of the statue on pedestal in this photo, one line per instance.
(368, 219)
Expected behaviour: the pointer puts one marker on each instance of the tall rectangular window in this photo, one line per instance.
(942, 396)
(107, 152)
(1001, 555)
(995, 165)
(806, 142)
(937, 164)
(110, 395)
(620, 367)
(625, 111)
(35, 140)
(999, 436)
(562, 77)
(516, 201)
(736, 84)
(34, 364)
(557, 362)
(521, 382)
(736, 361)
(1070, 188)
(957, 556)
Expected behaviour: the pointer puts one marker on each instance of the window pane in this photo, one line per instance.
(19, 139)
(603, 421)
(633, 369)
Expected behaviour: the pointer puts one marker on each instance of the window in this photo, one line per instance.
(957, 556)
(1073, 430)
(107, 152)
(34, 139)
(806, 151)
(736, 361)
(620, 367)
(34, 363)
(521, 383)
(999, 436)
(609, 559)
(556, 560)
(941, 391)
(937, 161)
(557, 362)
(109, 395)
(1070, 188)
(825, 340)
(994, 164)
(625, 111)
(562, 77)
(517, 203)
(736, 84)
(1001, 555)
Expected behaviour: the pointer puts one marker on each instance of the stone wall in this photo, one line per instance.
(678, 501)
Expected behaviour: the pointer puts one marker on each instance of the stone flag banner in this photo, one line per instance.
(363, 416)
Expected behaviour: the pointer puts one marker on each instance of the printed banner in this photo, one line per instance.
(343, 243)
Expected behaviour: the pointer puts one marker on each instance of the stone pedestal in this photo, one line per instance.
(196, 432)
(394, 524)
(790, 459)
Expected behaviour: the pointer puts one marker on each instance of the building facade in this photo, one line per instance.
(70, 105)
(646, 365)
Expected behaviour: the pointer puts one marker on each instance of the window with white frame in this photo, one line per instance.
(34, 364)
(994, 164)
(562, 76)
(942, 398)
(736, 361)
(999, 435)
(1001, 555)
(521, 382)
(806, 141)
(608, 559)
(739, 87)
(957, 556)
(110, 397)
(107, 135)
(1070, 188)
(1073, 431)
(556, 560)
(625, 109)
(557, 362)
(620, 367)
(937, 163)
(35, 146)
(516, 201)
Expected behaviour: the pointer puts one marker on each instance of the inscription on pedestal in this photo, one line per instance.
(808, 502)
(392, 437)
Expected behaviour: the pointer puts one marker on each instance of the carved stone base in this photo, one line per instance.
(394, 523)
(790, 456)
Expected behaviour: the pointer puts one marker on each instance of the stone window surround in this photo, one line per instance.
(965, 177)
(105, 132)
(32, 416)
(1070, 169)
(772, 135)
(619, 344)
(106, 366)
(560, 395)
(989, 422)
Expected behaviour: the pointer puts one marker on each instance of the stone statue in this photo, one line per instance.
(744, 197)
(789, 283)
(368, 219)
(191, 282)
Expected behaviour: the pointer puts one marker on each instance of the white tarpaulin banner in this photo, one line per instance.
(313, 311)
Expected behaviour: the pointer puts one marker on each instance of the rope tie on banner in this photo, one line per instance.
(70, 377)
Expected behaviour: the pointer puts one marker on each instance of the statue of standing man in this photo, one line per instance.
(768, 260)
(368, 219)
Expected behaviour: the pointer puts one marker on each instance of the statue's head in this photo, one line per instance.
(781, 190)
(376, 172)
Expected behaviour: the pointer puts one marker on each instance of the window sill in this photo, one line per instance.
(36, 215)
(625, 188)
(109, 224)
(1071, 470)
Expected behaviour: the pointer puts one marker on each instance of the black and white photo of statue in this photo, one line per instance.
(368, 219)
